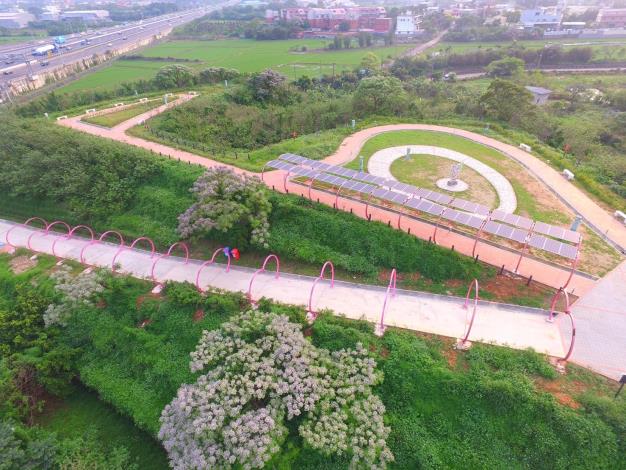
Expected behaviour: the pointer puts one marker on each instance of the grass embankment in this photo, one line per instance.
(115, 118)
(486, 408)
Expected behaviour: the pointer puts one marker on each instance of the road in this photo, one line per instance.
(100, 41)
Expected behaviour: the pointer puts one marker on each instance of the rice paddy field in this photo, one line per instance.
(241, 54)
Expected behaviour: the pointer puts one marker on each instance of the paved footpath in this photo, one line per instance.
(508, 325)
(551, 275)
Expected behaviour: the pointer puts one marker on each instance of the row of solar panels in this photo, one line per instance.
(421, 200)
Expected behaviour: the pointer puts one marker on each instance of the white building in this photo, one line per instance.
(407, 25)
(86, 15)
(540, 95)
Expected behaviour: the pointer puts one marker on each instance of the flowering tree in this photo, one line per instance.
(261, 372)
(75, 291)
(225, 200)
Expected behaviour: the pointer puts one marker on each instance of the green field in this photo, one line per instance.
(603, 49)
(241, 54)
(253, 56)
(113, 119)
(14, 39)
(118, 72)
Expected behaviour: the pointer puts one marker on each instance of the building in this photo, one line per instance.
(611, 18)
(541, 18)
(540, 95)
(335, 19)
(88, 16)
(15, 20)
(407, 25)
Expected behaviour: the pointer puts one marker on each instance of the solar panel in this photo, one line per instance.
(380, 193)
(433, 195)
(512, 219)
(280, 165)
(557, 232)
(319, 165)
(505, 231)
(429, 207)
(290, 157)
(331, 179)
(462, 218)
(358, 186)
(341, 171)
(469, 206)
(553, 246)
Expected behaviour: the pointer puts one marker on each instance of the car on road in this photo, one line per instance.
(7, 72)
(44, 63)
(125, 38)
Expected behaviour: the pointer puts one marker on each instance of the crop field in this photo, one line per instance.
(14, 39)
(603, 49)
(118, 72)
(253, 56)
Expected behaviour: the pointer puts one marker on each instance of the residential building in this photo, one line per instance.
(407, 25)
(545, 18)
(334, 19)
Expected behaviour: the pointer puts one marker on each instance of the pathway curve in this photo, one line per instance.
(507, 325)
(380, 163)
(543, 272)
(592, 213)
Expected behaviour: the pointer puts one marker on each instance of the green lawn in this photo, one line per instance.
(113, 119)
(112, 76)
(526, 202)
(253, 56)
(83, 412)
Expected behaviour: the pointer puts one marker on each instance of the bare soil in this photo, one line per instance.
(21, 264)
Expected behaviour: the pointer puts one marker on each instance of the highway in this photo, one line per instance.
(24, 64)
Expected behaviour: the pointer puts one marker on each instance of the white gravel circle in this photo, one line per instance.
(379, 164)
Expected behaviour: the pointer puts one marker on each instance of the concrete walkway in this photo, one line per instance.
(380, 163)
(507, 325)
(600, 317)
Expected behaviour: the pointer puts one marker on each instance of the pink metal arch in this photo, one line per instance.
(568, 313)
(400, 213)
(474, 285)
(311, 312)
(47, 231)
(262, 269)
(437, 224)
(169, 253)
(574, 263)
(391, 288)
(99, 240)
(132, 245)
(70, 234)
(523, 250)
(25, 224)
(479, 233)
(337, 193)
(211, 261)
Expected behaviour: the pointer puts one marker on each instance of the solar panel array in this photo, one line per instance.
(471, 214)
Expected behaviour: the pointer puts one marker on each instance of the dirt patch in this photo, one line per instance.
(21, 264)
(451, 356)
(198, 315)
(557, 389)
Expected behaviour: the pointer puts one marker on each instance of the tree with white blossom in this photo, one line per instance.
(225, 200)
(76, 290)
(260, 371)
